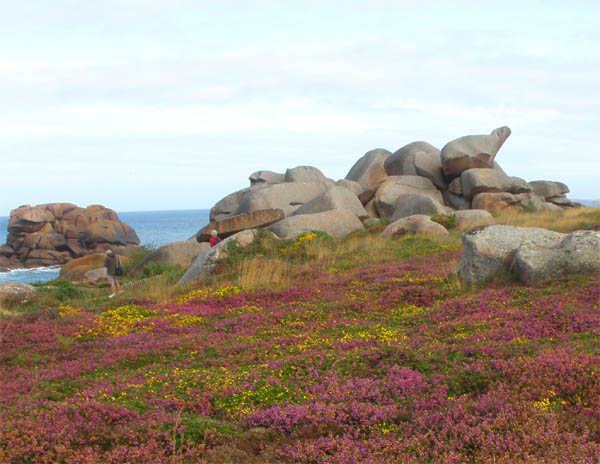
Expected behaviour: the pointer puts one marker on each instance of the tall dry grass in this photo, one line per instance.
(559, 221)
(260, 273)
(158, 289)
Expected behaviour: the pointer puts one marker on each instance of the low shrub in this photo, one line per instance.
(446, 220)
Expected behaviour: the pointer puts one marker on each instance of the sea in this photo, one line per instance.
(154, 228)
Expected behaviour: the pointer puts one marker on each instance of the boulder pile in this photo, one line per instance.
(55, 233)
(416, 180)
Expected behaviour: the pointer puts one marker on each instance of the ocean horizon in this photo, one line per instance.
(154, 229)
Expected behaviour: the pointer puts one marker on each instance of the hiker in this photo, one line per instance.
(214, 239)
(111, 263)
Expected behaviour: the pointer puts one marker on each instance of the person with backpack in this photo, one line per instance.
(214, 238)
(113, 269)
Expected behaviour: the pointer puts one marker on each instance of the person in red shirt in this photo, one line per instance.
(214, 239)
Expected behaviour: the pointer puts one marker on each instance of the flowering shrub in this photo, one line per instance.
(377, 364)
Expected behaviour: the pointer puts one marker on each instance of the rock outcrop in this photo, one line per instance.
(417, 159)
(370, 168)
(180, 253)
(231, 225)
(204, 263)
(53, 234)
(472, 151)
(337, 223)
(336, 197)
(16, 292)
(418, 224)
(532, 254)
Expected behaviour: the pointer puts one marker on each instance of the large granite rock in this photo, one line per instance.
(180, 253)
(547, 189)
(233, 224)
(472, 151)
(409, 204)
(337, 223)
(266, 177)
(491, 250)
(534, 255)
(472, 218)
(16, 292)
(474, 181)
(387, 195)
(497, 202)
(203, 264)
(229, 205)
(351, 185)
(305, 174)
(417, 159)
(288, 196)
(419, 224)
(577, 253)
(53, 234)
(458, 202)
(335, 198)
(369, 168)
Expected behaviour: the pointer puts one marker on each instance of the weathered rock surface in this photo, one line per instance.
(305, 174)
(409, 204)
(266, 177)
(458, 202)
(53, 234)
(472, 151)
(472, 218)
(547, 189)
(534, 255)
(229, 205)
(204, 263)
(335, 198)
(180, 253)
(288, 196)
(417, 159)
(474, 181)
(369, 168)
(351, 185)
(496, 202)
(16, 292)
(386, 196)
(418, 224)
(94, 276)
(337, 223)
(233, 224)
(578, 253)
(76, 268)
(491, 250)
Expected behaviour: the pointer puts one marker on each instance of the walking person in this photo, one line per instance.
(214, 238)
(111, 263)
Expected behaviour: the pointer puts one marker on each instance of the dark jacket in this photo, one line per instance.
(110, 263)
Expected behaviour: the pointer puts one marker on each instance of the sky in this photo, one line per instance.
(162, 105)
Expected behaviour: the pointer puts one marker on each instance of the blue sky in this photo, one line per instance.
(149, 105)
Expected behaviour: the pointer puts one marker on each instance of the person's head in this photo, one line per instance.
(109, 252)
(213, 233)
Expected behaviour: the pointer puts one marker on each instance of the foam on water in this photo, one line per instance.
(29, 276)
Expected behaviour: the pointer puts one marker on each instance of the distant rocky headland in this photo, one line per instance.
(55, 233)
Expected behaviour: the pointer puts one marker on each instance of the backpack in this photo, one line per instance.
(118, 267)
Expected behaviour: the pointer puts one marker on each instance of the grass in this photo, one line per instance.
(566, 221)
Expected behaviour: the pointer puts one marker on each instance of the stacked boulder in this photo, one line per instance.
(418, 179)
(55, 233)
